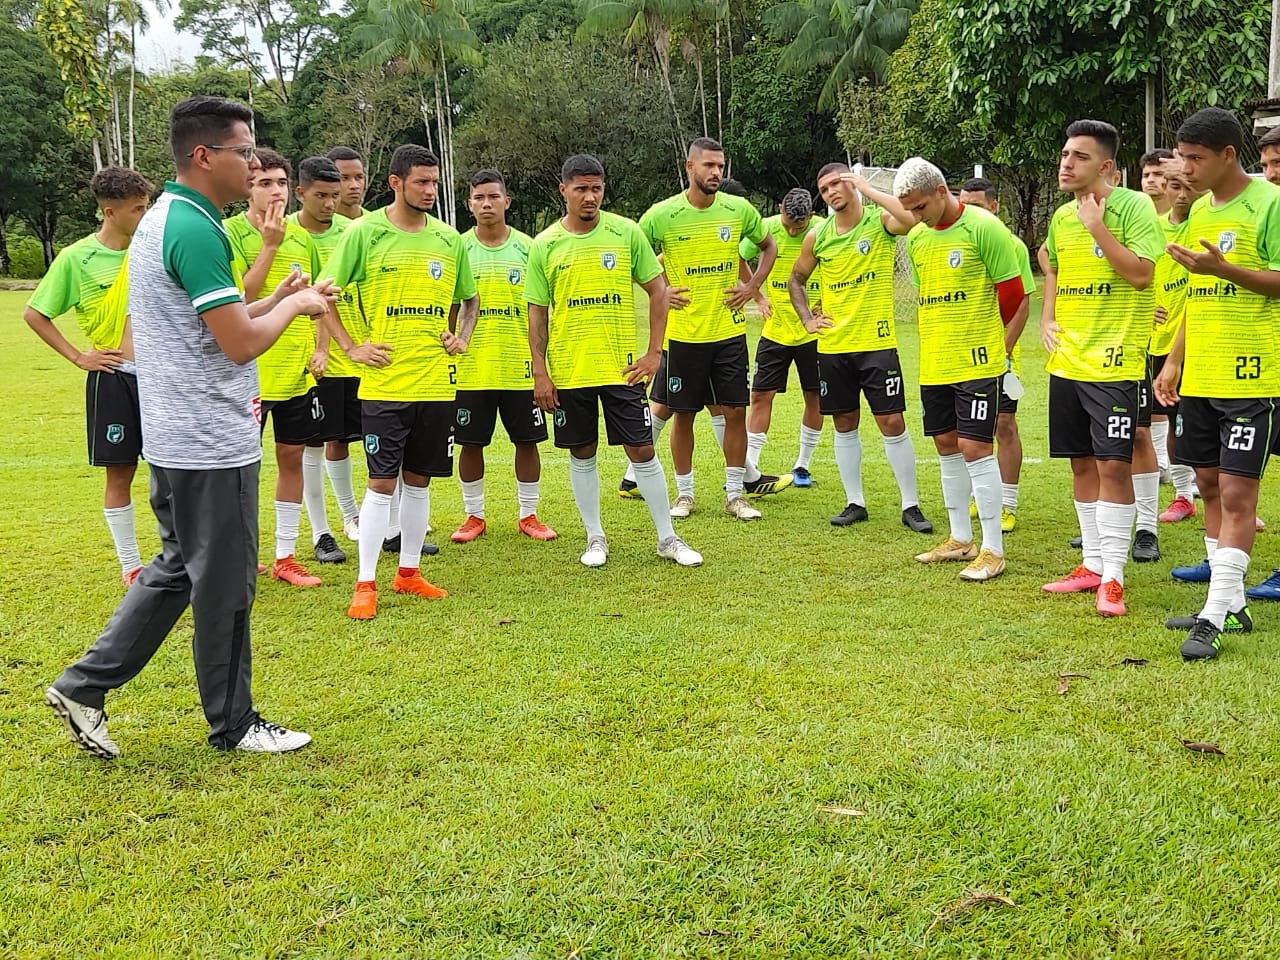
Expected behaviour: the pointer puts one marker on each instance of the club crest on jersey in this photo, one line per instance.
(464, 416)
(115, 432)
(864, 246)
(1097, 252)
(437, 269)
(725, 234)
(371, 443)
(608, 260)
(513, 276)
(675, 384)
(954, 259)
(1227, 241)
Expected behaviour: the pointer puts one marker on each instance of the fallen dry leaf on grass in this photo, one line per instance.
(841, 811)
(1064, 681)
(758, 702)
(1199, 746)
(972, 900)
(505, 623)
(1133, 662)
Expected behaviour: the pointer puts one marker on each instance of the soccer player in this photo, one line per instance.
(495, 375)
(81, 277)
(783, 340)
(583, 345)
(981, 192)
(270, 247)
(351, 168)
(1228, 359)
(1269, 147)
(318, 191)
(857, 343)
(1153, 178)
(195, 342)
(970, 295)
(410, 269)
(1097, 319)
(698, 232)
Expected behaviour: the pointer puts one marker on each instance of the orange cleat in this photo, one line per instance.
(1079, 580)
(131, 576)
(1180, 509)
(471, 528)
(1111, 599)
(364, 605)
(410, 580)
(292, 572)
(534, 528)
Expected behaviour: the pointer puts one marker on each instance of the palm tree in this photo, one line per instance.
(848, 38)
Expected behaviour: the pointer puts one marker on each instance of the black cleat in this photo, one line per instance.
(917, 521)
(853, 513)
(628, 490)
(328, 551)
(1077, 542)
(765, 484)
(392, 545)
(1203, 642)
(1238, 622)
(1146, 547)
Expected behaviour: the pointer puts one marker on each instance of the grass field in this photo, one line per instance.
(631, 762)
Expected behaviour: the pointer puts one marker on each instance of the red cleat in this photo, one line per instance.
(1111, 599)
(1079, 580)
(288, 570)
(1181, 509)
(471, 528)
(534, 528)
(410, 580)
(364, 605)
(128, 578)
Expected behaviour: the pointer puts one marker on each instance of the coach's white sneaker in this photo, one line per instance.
(351, 528)
(673, 548)
(265, 737)
(597, 552)
(87, 725)
(683, 507)
(740, 509)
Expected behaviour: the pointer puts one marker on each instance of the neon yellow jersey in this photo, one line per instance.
(1171, 290)
(348, 301)
(1231, 332)
(1028, 287)
(955, 271)
(700, 251)
(80, 277)
(784, 326)
(498, 357)
(1106, 322)
(585, 282)
(408, 283)
(282, 370)
(857, 284)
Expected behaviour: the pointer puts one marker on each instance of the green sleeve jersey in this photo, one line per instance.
(348, 305)
(1231, 332)
(1171, 290)
(700, 251)
(955, 271)
(1028, 287)
(784, 326)
(498, 356)
(857, 284)
(80, 277)
(282, 369)
(407, 282)
(585, 282)
(1106, 322)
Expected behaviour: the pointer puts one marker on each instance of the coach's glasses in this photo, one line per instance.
(246, 153)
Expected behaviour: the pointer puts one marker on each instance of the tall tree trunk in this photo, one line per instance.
(728, 37)
(719, 89)
(702, 91)
(6, 264)
(97, 154)
(133, 73)
(446, 191)
(448, 114)
(116, 139)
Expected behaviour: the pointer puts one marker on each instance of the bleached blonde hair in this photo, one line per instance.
(917, 175)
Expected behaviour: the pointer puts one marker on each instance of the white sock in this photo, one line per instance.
(1146, 499)
(684, 484)
(1184, 481)
(473, 497)
(755, 444)
(956, 490)
(1160, 439)
(340, 479)
(123, 535)
(585, 481)
(652, 482)
(717, 427)
(901, 453)
(1009, 496)
(527, 498)
(808, 443)
(393, 515)
(1089, 546)
(374, 515)
(1115, 527)
(848, 448)
(733, 477)
(984, 476)
(1210, 548)
(313, 491)
(415, 509)
(287, 517)
(656, 423)
(1226, 584)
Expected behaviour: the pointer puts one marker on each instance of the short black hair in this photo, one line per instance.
(410, 155)
(119, 183)
(1154, 158)
(707, 144)
(488, 175)
(980, 185)
(343, 153)
(732, 187)
(271, 160)
(798, 204)
(1106, 136)
(320, 169)
(203, 120)
(1214, 128)
(832, 167)
(581, 165)
(1270, 139)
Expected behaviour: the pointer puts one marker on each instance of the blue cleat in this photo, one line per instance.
(1200, 574)
(800, 477)
(1268, 589)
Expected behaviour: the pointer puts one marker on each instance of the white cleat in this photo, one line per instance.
(740, 509)
(351, 528)
(87, 725)
(673, 548)
(265, 737)
(597, 552)
(683, 507)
